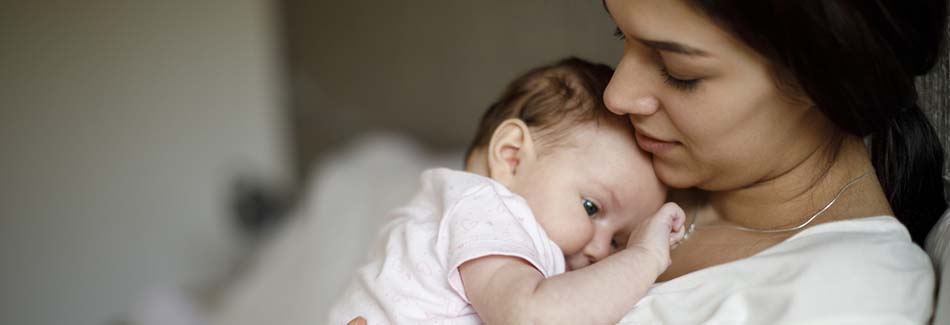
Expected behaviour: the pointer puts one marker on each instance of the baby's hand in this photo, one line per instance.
(658, 233)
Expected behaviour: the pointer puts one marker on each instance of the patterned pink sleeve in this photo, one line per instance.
(486, 223)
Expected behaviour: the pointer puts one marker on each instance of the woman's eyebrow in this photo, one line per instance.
(674, 47)
(663, 45)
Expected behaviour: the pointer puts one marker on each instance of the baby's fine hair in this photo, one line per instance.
(550, 100)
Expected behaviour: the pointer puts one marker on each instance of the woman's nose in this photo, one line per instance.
(629, 90)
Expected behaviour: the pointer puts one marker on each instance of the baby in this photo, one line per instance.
(553, 183)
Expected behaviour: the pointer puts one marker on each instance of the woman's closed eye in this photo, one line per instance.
(682, 84)
(590, 207)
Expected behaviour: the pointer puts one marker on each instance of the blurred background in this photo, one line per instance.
(149, 147)
(428, 68)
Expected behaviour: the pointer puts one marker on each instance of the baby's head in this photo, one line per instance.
(550, 139)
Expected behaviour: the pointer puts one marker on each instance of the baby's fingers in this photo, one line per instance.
(677, 219)
(672, 212)
(677, 235)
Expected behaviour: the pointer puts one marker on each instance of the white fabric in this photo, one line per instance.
(861, 271)
(938, 246)
(456, 217)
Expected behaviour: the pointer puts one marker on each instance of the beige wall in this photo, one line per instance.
(122, 126)
(426, 67)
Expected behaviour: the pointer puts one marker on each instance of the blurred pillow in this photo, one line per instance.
(312, 258)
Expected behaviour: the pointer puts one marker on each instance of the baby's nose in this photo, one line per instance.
(597, 250)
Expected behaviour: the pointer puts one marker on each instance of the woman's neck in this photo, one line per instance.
(791, 198)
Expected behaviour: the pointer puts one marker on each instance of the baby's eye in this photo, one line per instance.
(590, 207)
(614, 244)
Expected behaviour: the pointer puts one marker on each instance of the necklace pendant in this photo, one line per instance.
(689, 230)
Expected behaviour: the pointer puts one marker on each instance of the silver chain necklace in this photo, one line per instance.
(692, 225)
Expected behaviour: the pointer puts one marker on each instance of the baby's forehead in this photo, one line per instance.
(607, 139)
(606, 155)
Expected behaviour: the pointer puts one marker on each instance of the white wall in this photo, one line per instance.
(122, 124)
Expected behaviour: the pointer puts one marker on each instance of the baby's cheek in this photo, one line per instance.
(572, 238)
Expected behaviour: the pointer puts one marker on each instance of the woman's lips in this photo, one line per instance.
(654, 145)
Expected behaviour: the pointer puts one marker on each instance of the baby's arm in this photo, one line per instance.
(507, 290)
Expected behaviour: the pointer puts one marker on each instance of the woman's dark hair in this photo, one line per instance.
(857, 61)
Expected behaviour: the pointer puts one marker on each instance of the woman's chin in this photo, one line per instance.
(675, 176)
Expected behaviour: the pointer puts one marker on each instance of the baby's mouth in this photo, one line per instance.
(576, 261)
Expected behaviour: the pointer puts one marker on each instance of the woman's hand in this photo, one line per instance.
(656, 235)
(357, 321)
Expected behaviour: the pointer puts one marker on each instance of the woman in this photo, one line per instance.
(763, 106)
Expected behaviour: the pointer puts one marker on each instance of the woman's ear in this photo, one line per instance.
(510, 149)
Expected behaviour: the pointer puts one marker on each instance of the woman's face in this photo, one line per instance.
(706, 105)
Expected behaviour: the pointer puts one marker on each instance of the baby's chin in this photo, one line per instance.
(576, 261)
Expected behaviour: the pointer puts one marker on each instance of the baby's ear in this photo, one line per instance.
(510, 148)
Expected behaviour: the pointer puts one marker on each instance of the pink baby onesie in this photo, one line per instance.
(456, 217)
